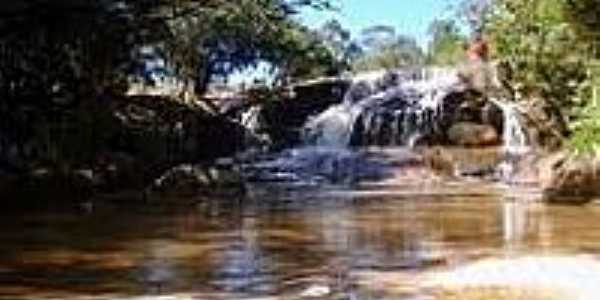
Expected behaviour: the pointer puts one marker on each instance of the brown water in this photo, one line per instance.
(295, 244)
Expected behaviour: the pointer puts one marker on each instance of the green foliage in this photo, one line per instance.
(549, 48)
(61, 61)
(384, 49)
(222, 37)
(306, 55)
(340, 44)
(447, 44)
(586, 127)
(539, 48)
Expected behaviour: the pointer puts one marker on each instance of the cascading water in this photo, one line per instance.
(251, 118)
(514, 139)
(406, 107)
(396, 107)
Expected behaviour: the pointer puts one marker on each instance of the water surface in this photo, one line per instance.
(375, 242)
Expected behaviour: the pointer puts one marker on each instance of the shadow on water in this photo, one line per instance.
(372, 240)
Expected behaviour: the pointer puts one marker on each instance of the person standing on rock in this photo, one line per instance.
(476, 71)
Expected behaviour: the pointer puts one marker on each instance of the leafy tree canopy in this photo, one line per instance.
(447, 43)
(385, 49)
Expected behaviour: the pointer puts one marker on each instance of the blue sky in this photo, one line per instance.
(410, 17)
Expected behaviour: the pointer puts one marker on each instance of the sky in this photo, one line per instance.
(410, 17)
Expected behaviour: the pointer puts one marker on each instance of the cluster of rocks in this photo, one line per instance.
(562, 176)
(145, 137)
(469, 120)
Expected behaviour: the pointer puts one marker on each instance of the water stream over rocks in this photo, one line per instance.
(366, 208)
(412, 108)
(387, 108)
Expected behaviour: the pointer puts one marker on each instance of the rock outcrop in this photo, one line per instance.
(116, 143)
(570, 179)
(473, 134)
(190, 180)
(284, 118)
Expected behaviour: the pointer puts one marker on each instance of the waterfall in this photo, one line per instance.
(407, 107)
(397, 107)
(514, 137)
(251, 118)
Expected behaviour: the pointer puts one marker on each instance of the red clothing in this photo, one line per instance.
(478, 51)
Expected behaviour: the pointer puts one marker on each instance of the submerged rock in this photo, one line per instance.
(189, 179)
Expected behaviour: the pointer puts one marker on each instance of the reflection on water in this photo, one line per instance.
(339, 245)
(515, 222)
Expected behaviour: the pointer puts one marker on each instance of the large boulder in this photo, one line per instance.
(478, 75)
(570, 179)
(472, 134)
(544, 122)
(285, 117)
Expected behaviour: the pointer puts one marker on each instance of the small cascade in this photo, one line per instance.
(322, 165)
(514, 139)
(250, 119)
(386, 108)
(406, 107)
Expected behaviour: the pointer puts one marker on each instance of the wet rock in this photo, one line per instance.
(478, 75)
(544, 122)
(569, 179)
(549, 165)
(310, 165)
(284, 118)
(523, 168)
(440, 162)
(118, 170)
(45, 186)
(189, 179)
(472, 134)
(493, 115)
(478, 171)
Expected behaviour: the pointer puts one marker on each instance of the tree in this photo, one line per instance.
(231, 36)
(339, 41)
(547, 50)
(476, 13)
(377, 37)
(60, 59)
(447, 44)
(384, 49)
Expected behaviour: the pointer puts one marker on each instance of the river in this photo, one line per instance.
(391, 240)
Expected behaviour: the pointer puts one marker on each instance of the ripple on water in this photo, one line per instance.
(375, 243)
